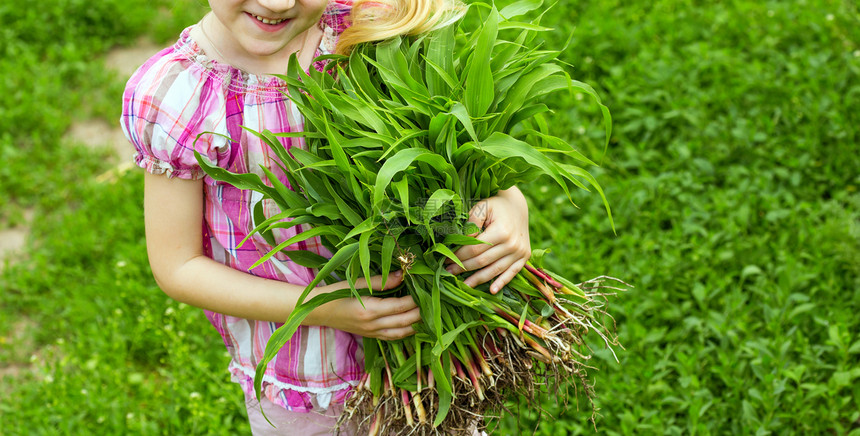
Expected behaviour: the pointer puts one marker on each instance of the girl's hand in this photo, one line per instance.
(387, 318)
(505, 220)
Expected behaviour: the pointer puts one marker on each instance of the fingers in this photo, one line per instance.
(395, 334)
(387, 321)
(386, 318)
(480, 260)
(394, 305)
(507, 276)
(495, 269)
(494, 237)
(376, 308)
(478, 214)
(400, 320)
(494, 232)
(394, 280)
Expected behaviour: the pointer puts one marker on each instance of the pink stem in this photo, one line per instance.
(459, 369)
(527, 325)
(550, 296)
(551, 281)
(474, 375)
(407, 408)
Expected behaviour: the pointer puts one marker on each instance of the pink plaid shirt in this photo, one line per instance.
(178, 94)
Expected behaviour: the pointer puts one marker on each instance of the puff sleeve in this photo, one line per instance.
(167, 103)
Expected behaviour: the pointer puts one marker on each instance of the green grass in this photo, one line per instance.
(53, 75)
(732, 173)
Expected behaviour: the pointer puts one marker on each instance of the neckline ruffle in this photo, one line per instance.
(233, 78)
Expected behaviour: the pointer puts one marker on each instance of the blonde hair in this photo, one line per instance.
(376, 20)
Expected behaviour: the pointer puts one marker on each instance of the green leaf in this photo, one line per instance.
(459, 111)
(339, 258)
(439, 46)
(276, 221)
(407, 135)
(479, 79)
(361, 76)
(800, 309)
(437, 202)
(371, 352)
(406, 370)
(519, 8)
(402, 160)
(388, 243)
(449, 337)
(353, 270)
(456, 239)
(303, 236)
(536, 258)
(519, 25)
(525, 114)
(504, 146)
(471, 228)
(325, 210)
(242, 181)
(437, 126)
(450, 81)
(307, 259)
(345, 209)
(548, 85)
(285, 332)
(607, 116)
(441, 368)
(391, 57)
(561, 145)
(402, 189)
(436, 298)
(543, 308)
(517, 96)
(445, 251)
(286, 196)
(365, 226)
(364, 254)
(359, 111)
(260, 217)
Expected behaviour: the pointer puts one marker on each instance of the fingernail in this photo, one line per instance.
(494, 289)
(399, 273)
(450, 269)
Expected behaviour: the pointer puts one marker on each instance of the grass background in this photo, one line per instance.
(732, 172)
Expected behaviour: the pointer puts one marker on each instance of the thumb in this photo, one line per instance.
(478, 215)
(392, 281)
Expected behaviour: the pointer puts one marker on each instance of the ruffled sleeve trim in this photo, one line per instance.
(157, 166)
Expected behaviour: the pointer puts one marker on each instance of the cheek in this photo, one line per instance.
(315, 7)
(221, 4)
(225, 10)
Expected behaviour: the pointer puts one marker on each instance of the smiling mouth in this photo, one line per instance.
(265, 20)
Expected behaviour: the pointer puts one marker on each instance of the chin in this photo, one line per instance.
(263, 49)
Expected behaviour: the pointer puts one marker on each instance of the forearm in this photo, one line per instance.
(173, 213)
(207, 284)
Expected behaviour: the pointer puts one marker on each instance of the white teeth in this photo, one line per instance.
(268, 21)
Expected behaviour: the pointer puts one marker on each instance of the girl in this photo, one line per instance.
(215, 79)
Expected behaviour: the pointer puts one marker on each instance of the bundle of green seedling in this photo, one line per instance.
(401, 137)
